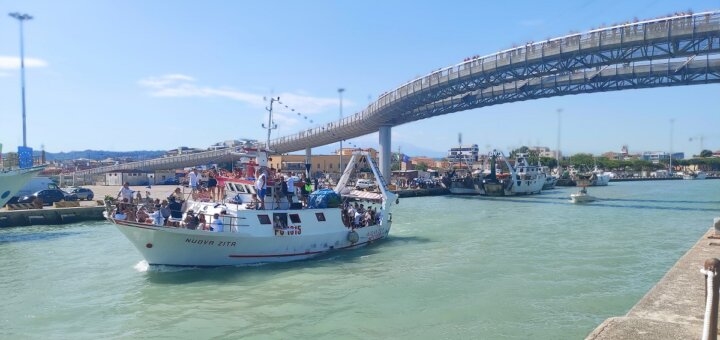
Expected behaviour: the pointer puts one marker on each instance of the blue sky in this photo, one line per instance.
(130, 75)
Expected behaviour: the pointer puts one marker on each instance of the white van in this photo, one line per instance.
(365, 184)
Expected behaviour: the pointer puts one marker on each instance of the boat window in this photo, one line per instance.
(264, 219)
(294, 218)
(280, 220)
(519, 183)
(240, 188)
(320, 217)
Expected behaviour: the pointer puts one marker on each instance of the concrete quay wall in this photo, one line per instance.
(18, 218)
(674, 308)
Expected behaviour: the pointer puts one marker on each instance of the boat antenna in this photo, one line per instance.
(271, 125)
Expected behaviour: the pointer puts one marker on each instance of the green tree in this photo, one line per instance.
(580, 159)
(548, 162)
(421, 167)
(705, 153)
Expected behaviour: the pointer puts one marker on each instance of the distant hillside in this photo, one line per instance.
(100, 154)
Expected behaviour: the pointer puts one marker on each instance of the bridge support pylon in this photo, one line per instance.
(385, 152)
(308, 163)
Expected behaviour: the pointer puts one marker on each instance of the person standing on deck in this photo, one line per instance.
(261, 186)
(290, 188)
(194, 180)
(126, 192)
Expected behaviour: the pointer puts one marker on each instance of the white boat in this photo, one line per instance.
(282, 232)
(695, 175)
(602, 178)
(550, 180)
(526, 179)
(582, 197)
(11, 181)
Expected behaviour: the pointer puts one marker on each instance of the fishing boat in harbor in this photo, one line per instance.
(284, 231)
(602, 178)
(695, 175)
(521, 179)
(255, 223)
(550, 179)
(12, 181)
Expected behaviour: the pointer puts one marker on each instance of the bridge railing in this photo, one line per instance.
(662, 28)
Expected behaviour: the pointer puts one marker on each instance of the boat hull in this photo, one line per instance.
(12, 181)
(184, 247)
(581, 198)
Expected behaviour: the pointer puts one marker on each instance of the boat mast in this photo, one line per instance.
(270, 126)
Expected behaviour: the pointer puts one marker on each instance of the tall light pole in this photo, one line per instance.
(340, 92)
(22, 18)
(672, 126)
(557, 152)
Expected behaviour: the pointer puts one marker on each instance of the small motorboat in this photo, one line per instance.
(582, 196)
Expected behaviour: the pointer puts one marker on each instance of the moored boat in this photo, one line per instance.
(695, 175)
(12, 181)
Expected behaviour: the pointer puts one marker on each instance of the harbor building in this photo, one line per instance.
(464, 154)
(657, 156)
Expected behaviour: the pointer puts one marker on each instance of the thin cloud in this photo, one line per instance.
(180, 85)
(12, 63)
(532, 22)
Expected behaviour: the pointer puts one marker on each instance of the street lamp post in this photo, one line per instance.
(340, 92)
(672, 127)
(22, 18)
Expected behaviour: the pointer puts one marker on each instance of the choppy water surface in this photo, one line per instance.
(454, 267)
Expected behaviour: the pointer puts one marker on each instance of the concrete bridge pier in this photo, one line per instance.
(385, 152)
(308, 162)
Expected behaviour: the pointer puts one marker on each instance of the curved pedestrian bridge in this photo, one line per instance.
(672, 51)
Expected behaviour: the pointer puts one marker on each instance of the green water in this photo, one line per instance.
(454, 267)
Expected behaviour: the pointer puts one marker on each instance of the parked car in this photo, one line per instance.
(170, 181)
(365, 184)
(82, 193)
(49, 196)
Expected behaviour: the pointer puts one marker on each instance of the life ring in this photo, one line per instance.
(353, 237)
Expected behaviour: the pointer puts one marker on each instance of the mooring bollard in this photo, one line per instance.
(712, 283)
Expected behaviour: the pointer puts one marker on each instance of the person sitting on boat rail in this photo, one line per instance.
(175, 211)
(157, 216)
(202, 222)
(217, 224)
(261, 186)
(126, 192)
(142, 216)
(191, 221)
(178, 195)
(254, 204)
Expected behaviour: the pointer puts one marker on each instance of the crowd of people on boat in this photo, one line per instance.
(168, 212)
(357, 215)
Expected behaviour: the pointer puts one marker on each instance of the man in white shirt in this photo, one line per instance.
(261, 187)
(194, 180)
(125, 192)
(291, 187)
